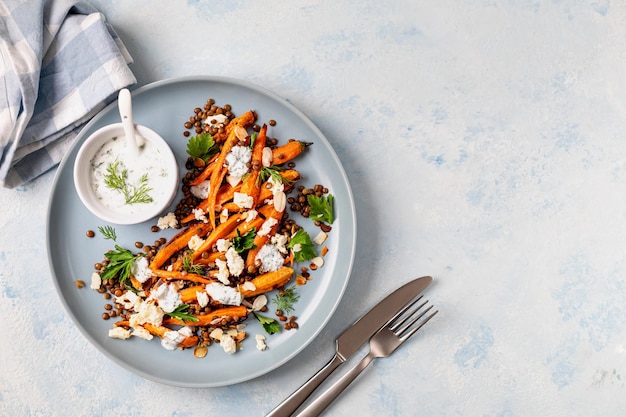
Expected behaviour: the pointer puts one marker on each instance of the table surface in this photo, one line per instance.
(485, 145)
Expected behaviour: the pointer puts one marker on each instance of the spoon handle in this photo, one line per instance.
(125, 106)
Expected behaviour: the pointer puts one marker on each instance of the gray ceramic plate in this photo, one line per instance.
(164, 106)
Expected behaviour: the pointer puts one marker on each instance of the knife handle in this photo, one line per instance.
(291, 403)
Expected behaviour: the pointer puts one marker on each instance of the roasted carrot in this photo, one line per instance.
(236, 312)
(225, 194)
(288, 151)
(206, 172)
(160, 331)
(218, 174)
(182, 276)
(251, 184)
(218, 233)
(188, 295)
(269, 281)
(260, 240)
(178, 242)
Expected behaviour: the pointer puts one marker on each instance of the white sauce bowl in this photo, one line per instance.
(107, 207)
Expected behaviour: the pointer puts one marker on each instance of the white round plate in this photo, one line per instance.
(164, 106)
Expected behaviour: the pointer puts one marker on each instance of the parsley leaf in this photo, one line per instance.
(120, 262)
(245, 242)
(202, 146)
(321, 208)
(284, 301)
(182, 313)
(271, 326)
(302, 246)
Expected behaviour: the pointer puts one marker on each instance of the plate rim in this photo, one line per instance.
(352, 226)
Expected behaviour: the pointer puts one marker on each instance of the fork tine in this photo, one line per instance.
(411, 332)
(394, 326)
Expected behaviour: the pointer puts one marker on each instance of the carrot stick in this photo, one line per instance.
(288, 151)
(188, 295)
(218, 174)
(178, 242)
(237, 312)
(206, 172)
(225, 194)
(269, 281)
(182, 276)
(218, 233)
(250, 185)
(259, 240)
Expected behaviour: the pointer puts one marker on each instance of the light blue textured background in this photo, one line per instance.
(485, 142)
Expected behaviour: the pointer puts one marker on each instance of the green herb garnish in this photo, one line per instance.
(118, 181)
(182, 313)
(202, 146)
(241, 243)
(321, 208)
(190, 267)
(271, 172)
(302, 241)
(108, 232)
(119, 265)
(286, 299)
(271, 326)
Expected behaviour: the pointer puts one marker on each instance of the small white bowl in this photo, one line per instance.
(109, 204)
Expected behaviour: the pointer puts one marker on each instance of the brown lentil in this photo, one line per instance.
(90, 233)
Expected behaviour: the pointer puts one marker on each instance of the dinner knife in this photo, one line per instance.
(351, 339)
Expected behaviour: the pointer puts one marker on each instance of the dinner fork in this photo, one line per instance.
(397, 331)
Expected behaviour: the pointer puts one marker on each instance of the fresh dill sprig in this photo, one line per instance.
(190, 267)
(271, 172)
(182, 313)
(108, 232)
(118, 181)
(286, 299)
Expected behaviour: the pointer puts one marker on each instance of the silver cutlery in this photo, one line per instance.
(352, 339)
(400, 328)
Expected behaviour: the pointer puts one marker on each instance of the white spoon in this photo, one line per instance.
(125, 105)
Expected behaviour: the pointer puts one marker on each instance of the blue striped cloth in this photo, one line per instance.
(60, 64)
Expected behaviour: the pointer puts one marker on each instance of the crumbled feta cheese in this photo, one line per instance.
(223, 245)
(129, 300)
(171, 339)
(139, 269)
(238, 159)
(251, 215)
(270, 257)
(222, 273)
(267, 226)
(203, 298)
(119, 333)
(277, 185)
(224, 215)
(235, 262)
(96, 281)
(260, 342)
(243, 200)
(199, 214)
(201, 190)
(169, 220)
(228, 344)
(195, 242)
(280, 241)
(320, 238)
(224, 294)
(167, 297)
(146, 312)
(142, 333)
(248, 286)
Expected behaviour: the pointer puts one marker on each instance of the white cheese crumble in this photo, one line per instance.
(139, 269)
(201, 190)
(267, 226)
(249, 286)
(167, 297)
(199, 214)
(228, 344)
(270, 257)
(146, 312)
(142, 333)
(243, 200)
(169, 220)
(172, 338)
(195, 242)
(222, 272)
(224, 294)
(251, 215)
(280, 241)
(260, 342)
(222, 245)
(237, 160)
(129, 300)
(96, 281)
(119, 333)
(235, 262)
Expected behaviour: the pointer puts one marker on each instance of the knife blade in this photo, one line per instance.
(352, 339)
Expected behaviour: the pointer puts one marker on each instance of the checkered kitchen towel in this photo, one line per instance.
(60, 64)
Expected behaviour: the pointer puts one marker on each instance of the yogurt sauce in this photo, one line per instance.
(150, 162)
